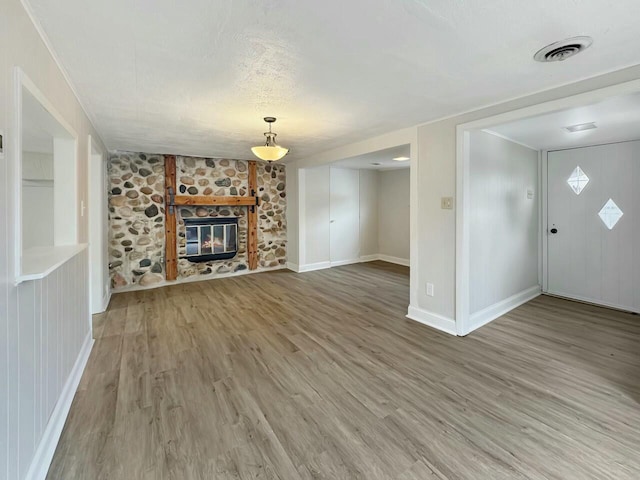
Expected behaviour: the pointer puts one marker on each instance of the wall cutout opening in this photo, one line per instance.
(47, 183)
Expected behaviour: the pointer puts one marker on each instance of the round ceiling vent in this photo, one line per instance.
(560, 51)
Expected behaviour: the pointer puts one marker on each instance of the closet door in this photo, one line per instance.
(594, 224)
(345, 215)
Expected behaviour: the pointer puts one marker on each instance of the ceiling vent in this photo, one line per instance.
(560, 51)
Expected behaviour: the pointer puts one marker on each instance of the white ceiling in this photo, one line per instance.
(197, 77)
(385, 159)
(617, 120)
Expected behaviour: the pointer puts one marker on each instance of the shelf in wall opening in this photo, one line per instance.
(39, 262)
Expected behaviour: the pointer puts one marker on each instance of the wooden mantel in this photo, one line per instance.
(172, 201)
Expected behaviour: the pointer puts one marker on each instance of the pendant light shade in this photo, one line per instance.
(270, 151)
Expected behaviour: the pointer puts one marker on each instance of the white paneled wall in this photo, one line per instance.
(53, 334)
(503, 225)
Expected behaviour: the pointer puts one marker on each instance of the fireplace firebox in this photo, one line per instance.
(210, 239)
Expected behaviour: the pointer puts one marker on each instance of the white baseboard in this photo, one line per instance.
(433, 320)
(49, 441)
(397, 260)
(340, 263)
(105, 301)
(310, 267)
(486, 315)
(365, 258)
(385, 258)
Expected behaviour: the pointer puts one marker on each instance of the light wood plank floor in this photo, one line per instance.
(320, 376)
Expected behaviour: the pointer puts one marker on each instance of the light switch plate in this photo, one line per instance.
(430, 289)
(446, 203)
(530, 193)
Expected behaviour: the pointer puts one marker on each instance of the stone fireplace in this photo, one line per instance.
(138, 205)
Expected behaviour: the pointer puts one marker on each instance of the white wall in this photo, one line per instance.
(369, 212)
(37, 166)
(316, 216)
(393, 213)
(37, 203)
(34, 368)
(503, 221)
(37, 213)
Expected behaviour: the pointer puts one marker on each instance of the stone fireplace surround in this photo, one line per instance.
(136, 216)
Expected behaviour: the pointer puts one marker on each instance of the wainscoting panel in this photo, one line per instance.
(53, 340)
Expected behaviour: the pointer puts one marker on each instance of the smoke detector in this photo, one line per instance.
(560, 51)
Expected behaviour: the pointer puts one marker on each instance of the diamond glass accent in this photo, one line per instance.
(578, 180)
(610, 214)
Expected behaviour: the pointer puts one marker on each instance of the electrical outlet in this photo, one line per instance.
(446, 203)
(530, 193)
(430, 289)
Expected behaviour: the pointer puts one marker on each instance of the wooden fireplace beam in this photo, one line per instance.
(252, 218)
(171, 228)
(235, 200)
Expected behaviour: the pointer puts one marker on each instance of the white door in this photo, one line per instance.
(594, 224)
(345, 215)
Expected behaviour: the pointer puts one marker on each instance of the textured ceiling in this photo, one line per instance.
(617, 119)
(196, 77)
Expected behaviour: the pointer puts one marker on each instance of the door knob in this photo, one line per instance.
(554, 230)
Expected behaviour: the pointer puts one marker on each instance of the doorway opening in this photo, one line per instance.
(546, 197)
(357, 210)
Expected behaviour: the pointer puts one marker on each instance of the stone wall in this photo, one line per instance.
(136, 219)
(272, 232)
(136, 215)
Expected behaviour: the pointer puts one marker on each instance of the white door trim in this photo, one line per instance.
(463, 326)
(544, 206)
(96, 205)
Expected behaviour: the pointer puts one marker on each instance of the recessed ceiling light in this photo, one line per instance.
(376, 164)
(581, 127)
(401, 159)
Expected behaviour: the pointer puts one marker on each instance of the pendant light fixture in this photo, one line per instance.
(270, 151)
